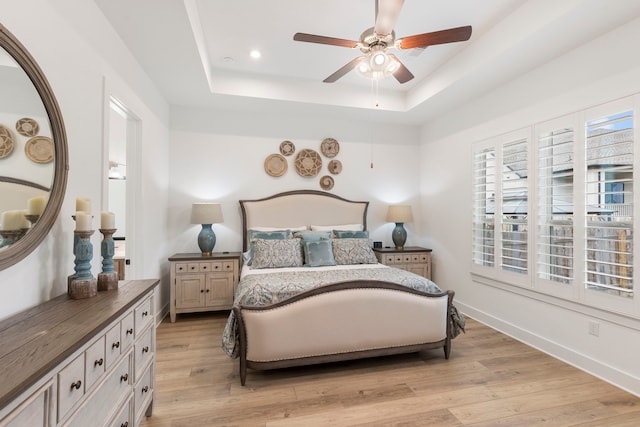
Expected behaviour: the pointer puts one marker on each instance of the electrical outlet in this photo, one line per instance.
(594, 329)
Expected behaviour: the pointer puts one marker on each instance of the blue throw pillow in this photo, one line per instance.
(350, 234)
(319, 253)
(312, 236)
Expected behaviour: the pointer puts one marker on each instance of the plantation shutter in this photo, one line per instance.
(609, 204)
(484, 188)
(515, 206)
(554, 250)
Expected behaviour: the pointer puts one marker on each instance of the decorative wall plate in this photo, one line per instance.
(39, 149)
(275, 165)
(335, 167)
(308, 162)
(6, 141)
(27, 127)
(287, 148)
(326, 182)
(330, 147)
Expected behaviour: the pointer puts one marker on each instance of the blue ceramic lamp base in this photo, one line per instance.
(399, 236)
(206, 240)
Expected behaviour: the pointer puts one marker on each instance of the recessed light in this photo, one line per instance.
(255, 54)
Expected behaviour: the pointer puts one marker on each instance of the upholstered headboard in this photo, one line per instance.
(301, 208)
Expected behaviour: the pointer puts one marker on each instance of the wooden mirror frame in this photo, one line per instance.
(23, 247)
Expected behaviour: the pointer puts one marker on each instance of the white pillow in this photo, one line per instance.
(299, 228)
(345, 227)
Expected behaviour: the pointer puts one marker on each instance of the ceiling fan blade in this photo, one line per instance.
(311, 38)
(451, 35)
(387, 12)
(344, 70)
(402, 74)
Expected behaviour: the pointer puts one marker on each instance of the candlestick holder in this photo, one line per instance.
(82, 284)
(9, 237)
(32, 218)
(108, 279)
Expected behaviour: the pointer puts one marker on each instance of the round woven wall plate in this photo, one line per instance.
(6, 142)
(39, 149)
(308, 162)
(335, 167)
(275, 165)
(326, 182)
(330, 147)
(27, 127)
(287, 148)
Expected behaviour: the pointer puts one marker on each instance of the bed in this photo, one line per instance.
(336, 303)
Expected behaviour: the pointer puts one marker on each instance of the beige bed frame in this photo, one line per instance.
(343, 321)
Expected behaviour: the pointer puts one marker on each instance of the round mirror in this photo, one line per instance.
(33, 153)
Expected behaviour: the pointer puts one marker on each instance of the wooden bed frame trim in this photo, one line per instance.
(358, 284)
(245, 245)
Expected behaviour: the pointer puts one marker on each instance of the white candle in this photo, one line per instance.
(36, 205)
(83, 221)
(107, 220)
(11, 220)
(83, 204)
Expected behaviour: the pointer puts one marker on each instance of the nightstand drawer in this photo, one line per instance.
(182, 267)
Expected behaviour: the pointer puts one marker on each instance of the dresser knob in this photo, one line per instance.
(145, 349)
(145, 389)
(98, 362)
(125, 424)
(145, 313)
(76, 385)
(129, 331)
(115, 344)
(124, 378)
(201, 291)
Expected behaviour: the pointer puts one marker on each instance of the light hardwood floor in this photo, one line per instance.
(490, 380)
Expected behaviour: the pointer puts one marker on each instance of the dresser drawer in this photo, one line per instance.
(143, 352)
(94, 363)
(143, 392)
(127, 332)
(124, 417)
(182, 267)
(142, 316)
(112, 346)
(70, 386)
(35, 411)
(110, 393)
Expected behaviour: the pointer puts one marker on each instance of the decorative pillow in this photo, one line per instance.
(357, 227)
(353, 251)
(276, 253)
(318, 253)
(266, 235)
(312, 236)
(350, 234)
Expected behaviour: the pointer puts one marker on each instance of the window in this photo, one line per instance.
(484, 188)
(609, 209)
(555, 205)
(563, 207)
(515, 206)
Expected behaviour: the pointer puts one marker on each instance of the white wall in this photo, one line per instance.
(80, 54)
(219, 156)
(603, 70)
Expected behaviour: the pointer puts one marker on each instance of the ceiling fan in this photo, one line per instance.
(375, 42)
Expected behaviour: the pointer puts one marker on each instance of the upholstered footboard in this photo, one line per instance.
(342, 321)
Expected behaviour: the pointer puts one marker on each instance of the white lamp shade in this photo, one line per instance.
(399, 213)
(206, 213)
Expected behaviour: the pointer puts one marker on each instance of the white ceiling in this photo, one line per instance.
(182, 45)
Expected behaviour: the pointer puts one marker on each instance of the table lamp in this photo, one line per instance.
(206, 214)
(399, 214)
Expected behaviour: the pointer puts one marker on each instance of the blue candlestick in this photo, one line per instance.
(82, 284)
(108, 279)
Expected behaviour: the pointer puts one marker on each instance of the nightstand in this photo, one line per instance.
(412, 258)
(203, 283)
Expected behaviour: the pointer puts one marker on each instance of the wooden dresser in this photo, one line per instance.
(203, 283)
(88, 362)
(412, 258)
